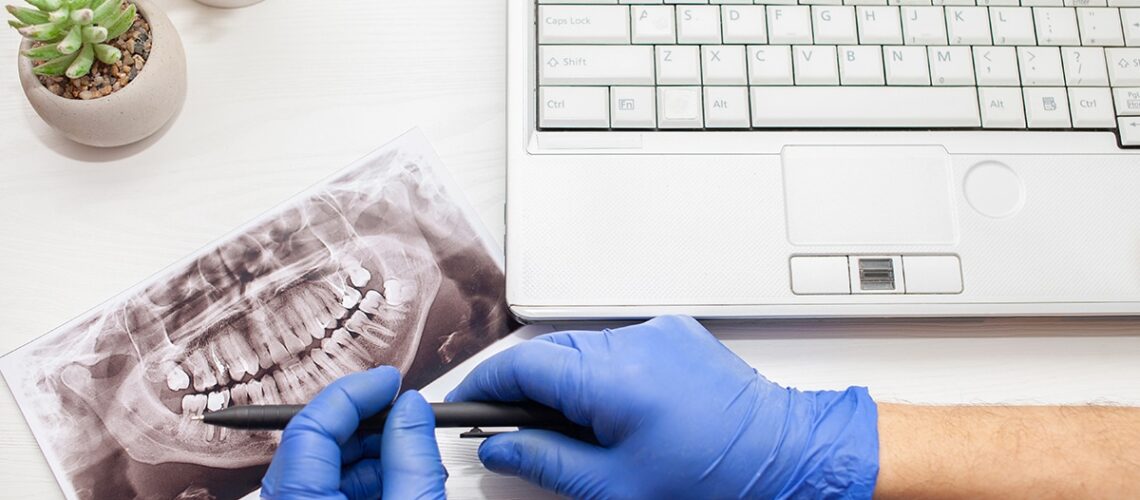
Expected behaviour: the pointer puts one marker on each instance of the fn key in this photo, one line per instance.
(573, 107)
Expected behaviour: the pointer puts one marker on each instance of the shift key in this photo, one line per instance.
(596, 65)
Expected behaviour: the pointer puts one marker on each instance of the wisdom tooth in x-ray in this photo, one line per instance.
(351, 275)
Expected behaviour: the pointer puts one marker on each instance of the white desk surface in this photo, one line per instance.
(283, 93)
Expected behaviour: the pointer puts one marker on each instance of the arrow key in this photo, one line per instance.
(1131, 19)
(1129, 131)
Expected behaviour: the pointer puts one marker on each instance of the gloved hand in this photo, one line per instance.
(677, 415)
(321, 455)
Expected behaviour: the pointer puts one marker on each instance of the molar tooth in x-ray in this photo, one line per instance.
(200, 368)
(292, 340)
(253, 390)
(351, 298)
(237, 354)
(239, 395)
(221, 370)
(397, 292)
(359, 276)
(214, 401)
(284, 386)
(177, 379)
(371, 302)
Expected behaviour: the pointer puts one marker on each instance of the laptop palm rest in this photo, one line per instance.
(869, 195)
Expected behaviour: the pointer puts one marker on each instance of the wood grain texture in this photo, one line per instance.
(284, 93)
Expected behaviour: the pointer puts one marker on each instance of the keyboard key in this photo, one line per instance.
(834, 25)
(879, 25)
(583, 24)
(923, 26)
(968, 26)
(1129, 130)
(744, 24)
(861, 65)
(653, 24)
(865, 107)
(1084, 67)
(595, 65)
(1085, 3)
(679, 107)
(1100, 27)
(1091, 108)
(1056, 26)
(723, 65)
(1012, 26)
(678, 65)
(633, 107)
(769, 65)
(1123, 67)
(573, 107)
(1046, 107)
(698, 24)
(789, 25)
(996, 66)
(1127, 101)
(726, 107)
(1131, 20)
(815, 65)
(1002, 107)
(951, 65)
(1040, 66)
(906, 66)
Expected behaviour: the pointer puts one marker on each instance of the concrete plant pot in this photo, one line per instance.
(130, 114)
(228, 4)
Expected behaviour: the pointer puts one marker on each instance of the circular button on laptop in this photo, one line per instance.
(994, 190)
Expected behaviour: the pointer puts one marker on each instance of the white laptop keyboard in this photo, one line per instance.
(840, 64)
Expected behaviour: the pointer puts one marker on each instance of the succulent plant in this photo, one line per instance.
(72, 33)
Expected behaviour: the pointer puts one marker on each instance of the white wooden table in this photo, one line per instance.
(283, 93)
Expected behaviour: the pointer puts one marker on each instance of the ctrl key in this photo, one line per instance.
(573, 107)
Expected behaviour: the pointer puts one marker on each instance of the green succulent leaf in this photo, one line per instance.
(122, 23)
(59, 16)
(72, 42)
(16, 24)
(108, 54)
(82, 64)
(77, 4)
(83, 16)
(57, 66)
(94, 34)
(42, 53)
(46, 5)
(50, 32)
(107, 11)
(28, 16)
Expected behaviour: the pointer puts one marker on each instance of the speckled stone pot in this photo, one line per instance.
(228, 4)
(134, 112)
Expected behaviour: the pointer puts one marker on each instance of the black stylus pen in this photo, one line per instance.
(466, 414)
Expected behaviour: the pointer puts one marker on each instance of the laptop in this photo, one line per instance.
(816, 158)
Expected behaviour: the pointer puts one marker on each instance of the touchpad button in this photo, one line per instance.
(863, 195)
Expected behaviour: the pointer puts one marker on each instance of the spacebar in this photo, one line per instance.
(865, 107)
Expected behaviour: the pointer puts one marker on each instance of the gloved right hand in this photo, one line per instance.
(677, 415)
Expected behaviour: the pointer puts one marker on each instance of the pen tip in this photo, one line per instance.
(197, 417)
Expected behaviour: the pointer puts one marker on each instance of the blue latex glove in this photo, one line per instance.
(323, 457)
(677, 415)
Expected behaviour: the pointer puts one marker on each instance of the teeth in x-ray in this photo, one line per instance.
(217, 400)
(339, 312)
(238, 355)
(239, 395)
(292, 341)
(200, 369)
(219, 366)
(269, 391)
(194, 404)
(368, 330)
(177, 378)
(351, 298)
(253, 392)
(397, 292)
(359, 276)
(371, 302)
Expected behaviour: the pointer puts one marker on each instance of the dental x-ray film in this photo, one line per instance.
(382, 264)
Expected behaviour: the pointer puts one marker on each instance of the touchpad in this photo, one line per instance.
(868, 195)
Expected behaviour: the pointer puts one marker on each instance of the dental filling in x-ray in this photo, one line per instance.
(380, 265)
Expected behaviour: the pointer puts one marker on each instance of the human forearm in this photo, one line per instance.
(1008, 452)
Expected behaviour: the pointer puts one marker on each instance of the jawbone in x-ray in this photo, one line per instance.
(378, 266)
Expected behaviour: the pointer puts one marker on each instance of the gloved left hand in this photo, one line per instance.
(323, 457)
